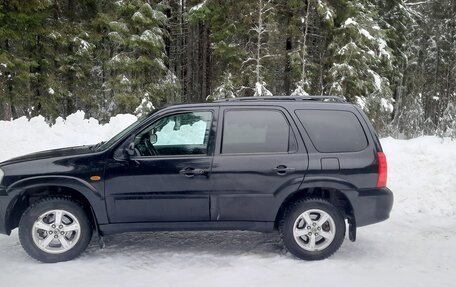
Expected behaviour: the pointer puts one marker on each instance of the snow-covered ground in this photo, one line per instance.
(415, 247)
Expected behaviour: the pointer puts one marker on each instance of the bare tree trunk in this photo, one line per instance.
(287, 62)
(188, 64)
(176, 47)
(260, 32)
(206, 62)
(304, 43)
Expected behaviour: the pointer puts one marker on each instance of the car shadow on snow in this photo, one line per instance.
(207, 242)
(211, 243)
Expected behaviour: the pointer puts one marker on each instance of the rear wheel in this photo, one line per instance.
(312, 229)
(54, 230)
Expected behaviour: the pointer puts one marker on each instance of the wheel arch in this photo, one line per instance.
(331, 193)
(26, 192)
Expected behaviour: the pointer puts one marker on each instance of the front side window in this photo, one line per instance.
(177, 134)
(255, 131)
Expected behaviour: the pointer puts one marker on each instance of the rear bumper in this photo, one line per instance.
(370, 205)
(3, 203)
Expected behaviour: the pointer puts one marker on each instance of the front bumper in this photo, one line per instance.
(370, 205)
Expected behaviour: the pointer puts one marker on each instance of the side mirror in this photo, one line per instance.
(130, 150)
(125, 153)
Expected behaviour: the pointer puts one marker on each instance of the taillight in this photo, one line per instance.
(382, 170)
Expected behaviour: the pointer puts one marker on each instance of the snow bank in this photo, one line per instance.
(422, 171)
(22, 136)
(422, 175)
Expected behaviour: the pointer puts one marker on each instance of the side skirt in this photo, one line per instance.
(114, 228)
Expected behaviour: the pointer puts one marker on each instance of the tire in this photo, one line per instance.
(326, 236)
(47, 242)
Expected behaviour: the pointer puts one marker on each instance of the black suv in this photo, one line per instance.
(300, 165)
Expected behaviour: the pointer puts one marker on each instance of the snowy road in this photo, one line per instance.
(415, 247)
(401, 252)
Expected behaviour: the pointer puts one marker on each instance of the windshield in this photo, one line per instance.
(120, 135)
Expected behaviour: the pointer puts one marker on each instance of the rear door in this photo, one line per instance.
(259, 157)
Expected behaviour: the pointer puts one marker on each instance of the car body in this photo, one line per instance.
(227, 166)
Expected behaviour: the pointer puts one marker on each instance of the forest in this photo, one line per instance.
(396, 59)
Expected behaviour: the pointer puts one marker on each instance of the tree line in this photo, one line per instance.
(395, 58)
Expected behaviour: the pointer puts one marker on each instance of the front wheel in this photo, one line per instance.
(312, 229)
(54, 230)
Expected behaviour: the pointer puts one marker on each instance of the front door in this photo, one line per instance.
(168, 177)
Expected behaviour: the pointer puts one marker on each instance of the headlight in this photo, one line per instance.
(1, 175)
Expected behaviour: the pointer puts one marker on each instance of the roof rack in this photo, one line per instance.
(287, 98)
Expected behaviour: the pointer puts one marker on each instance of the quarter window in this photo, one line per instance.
(333, 131)
(255, 131)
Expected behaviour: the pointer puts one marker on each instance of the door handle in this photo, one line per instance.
(191, 172)
(283, 169)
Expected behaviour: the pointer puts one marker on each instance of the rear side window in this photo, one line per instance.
(255, 131)
(333, 131)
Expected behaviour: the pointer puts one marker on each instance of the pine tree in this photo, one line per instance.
(230, 29)
(360, 58)
(225, 90)
(145, 107)
(412, 117)
(107, 57)
(138, 57)
(429, 127)
(397, 20)
(430, 52)
(21, 33)
(447, 124)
